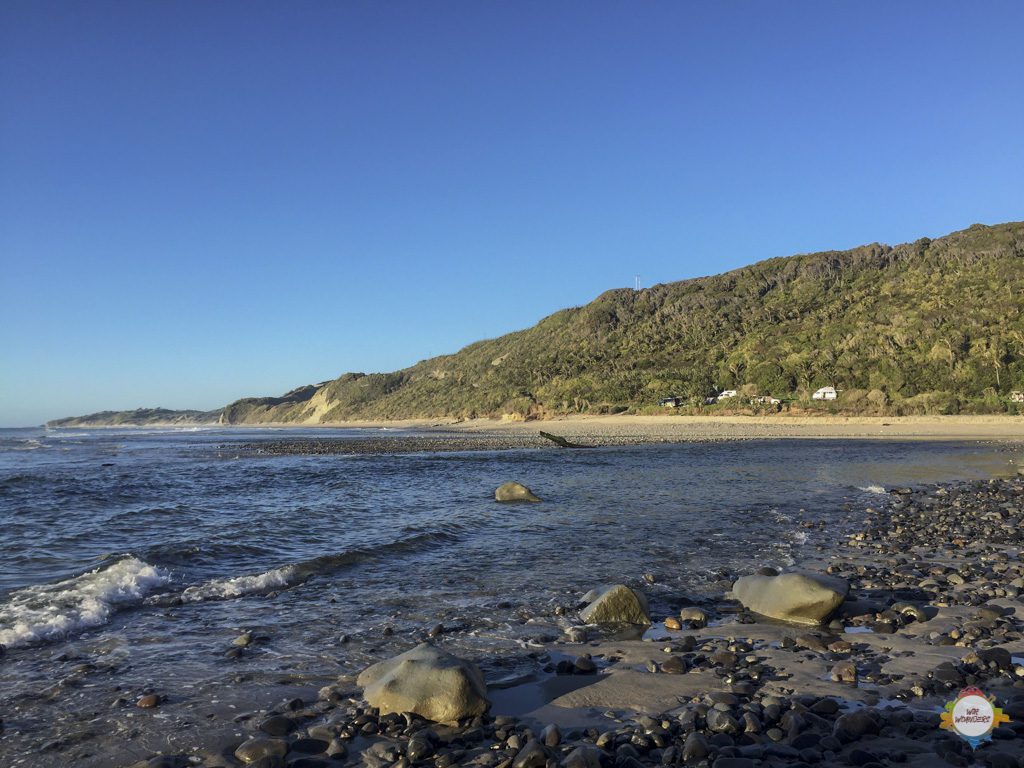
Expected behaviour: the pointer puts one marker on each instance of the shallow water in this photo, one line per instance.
(145, 552)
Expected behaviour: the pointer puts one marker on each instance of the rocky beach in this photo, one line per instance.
(935, 579)
(842, 652)
(921, 600)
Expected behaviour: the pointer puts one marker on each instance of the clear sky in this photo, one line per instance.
(201, 201)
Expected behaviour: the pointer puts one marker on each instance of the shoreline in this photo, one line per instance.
(637, 430)
(928, 613)
(936, 604)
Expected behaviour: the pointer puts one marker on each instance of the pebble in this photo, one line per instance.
(258, 748)
(277, 725)
(584, 666)
(551, 736)
(844, 672)
(695, 617)
(674, 665)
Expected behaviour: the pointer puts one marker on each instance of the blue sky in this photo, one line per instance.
(203, 201)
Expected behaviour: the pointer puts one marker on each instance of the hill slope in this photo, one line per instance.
(140, 417)
(933, 326)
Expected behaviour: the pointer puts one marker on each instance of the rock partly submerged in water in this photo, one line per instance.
(513, 491)
(428, 682)
(616, 604)
(799, 596)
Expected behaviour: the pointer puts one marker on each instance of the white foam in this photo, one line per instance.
(871, 489)
(54, 611)
(220, 589)
(31, 444)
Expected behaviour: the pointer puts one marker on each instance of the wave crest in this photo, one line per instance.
(223, 589)
(871, 489)
(46, 612)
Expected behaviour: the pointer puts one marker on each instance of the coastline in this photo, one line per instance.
(953, 552)
(936, 604)
(625, 429)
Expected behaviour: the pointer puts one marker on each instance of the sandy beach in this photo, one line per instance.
(669, 428)
(444, 435)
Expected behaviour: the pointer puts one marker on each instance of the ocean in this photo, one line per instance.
(133, 558)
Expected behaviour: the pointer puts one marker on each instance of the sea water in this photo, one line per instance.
(139, 555)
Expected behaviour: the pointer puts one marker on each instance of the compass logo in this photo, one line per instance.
(973, 716)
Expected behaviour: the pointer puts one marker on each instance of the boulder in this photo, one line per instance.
(428, 682)
(514, 492)
(615, 604)
(798, 596)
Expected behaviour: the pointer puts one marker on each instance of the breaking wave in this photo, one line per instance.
(223, 589)
(297, 573)
(47, 612)
(871, 489)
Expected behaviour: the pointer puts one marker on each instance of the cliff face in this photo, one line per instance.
(929, 326)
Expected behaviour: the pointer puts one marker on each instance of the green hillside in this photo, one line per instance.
(933, 326)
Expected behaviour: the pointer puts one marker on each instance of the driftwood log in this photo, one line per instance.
(561, 442)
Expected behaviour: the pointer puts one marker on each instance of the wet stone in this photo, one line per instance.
(531, 756)
(308, 746)
(695, 617)
(258, 748)
(724, 658)
(825, 707)
(584, 666)
(167, 761)
(551, 736)
(674, 665)
(722, 722)
(420, 747)
(277, 725)
(844, 672)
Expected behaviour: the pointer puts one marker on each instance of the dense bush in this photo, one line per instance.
(931, 327)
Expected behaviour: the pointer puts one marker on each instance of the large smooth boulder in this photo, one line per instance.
(616, 604)
(514, 492)
(800, 597)
(427, 681)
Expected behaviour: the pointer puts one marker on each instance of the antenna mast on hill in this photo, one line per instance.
(636, 282)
